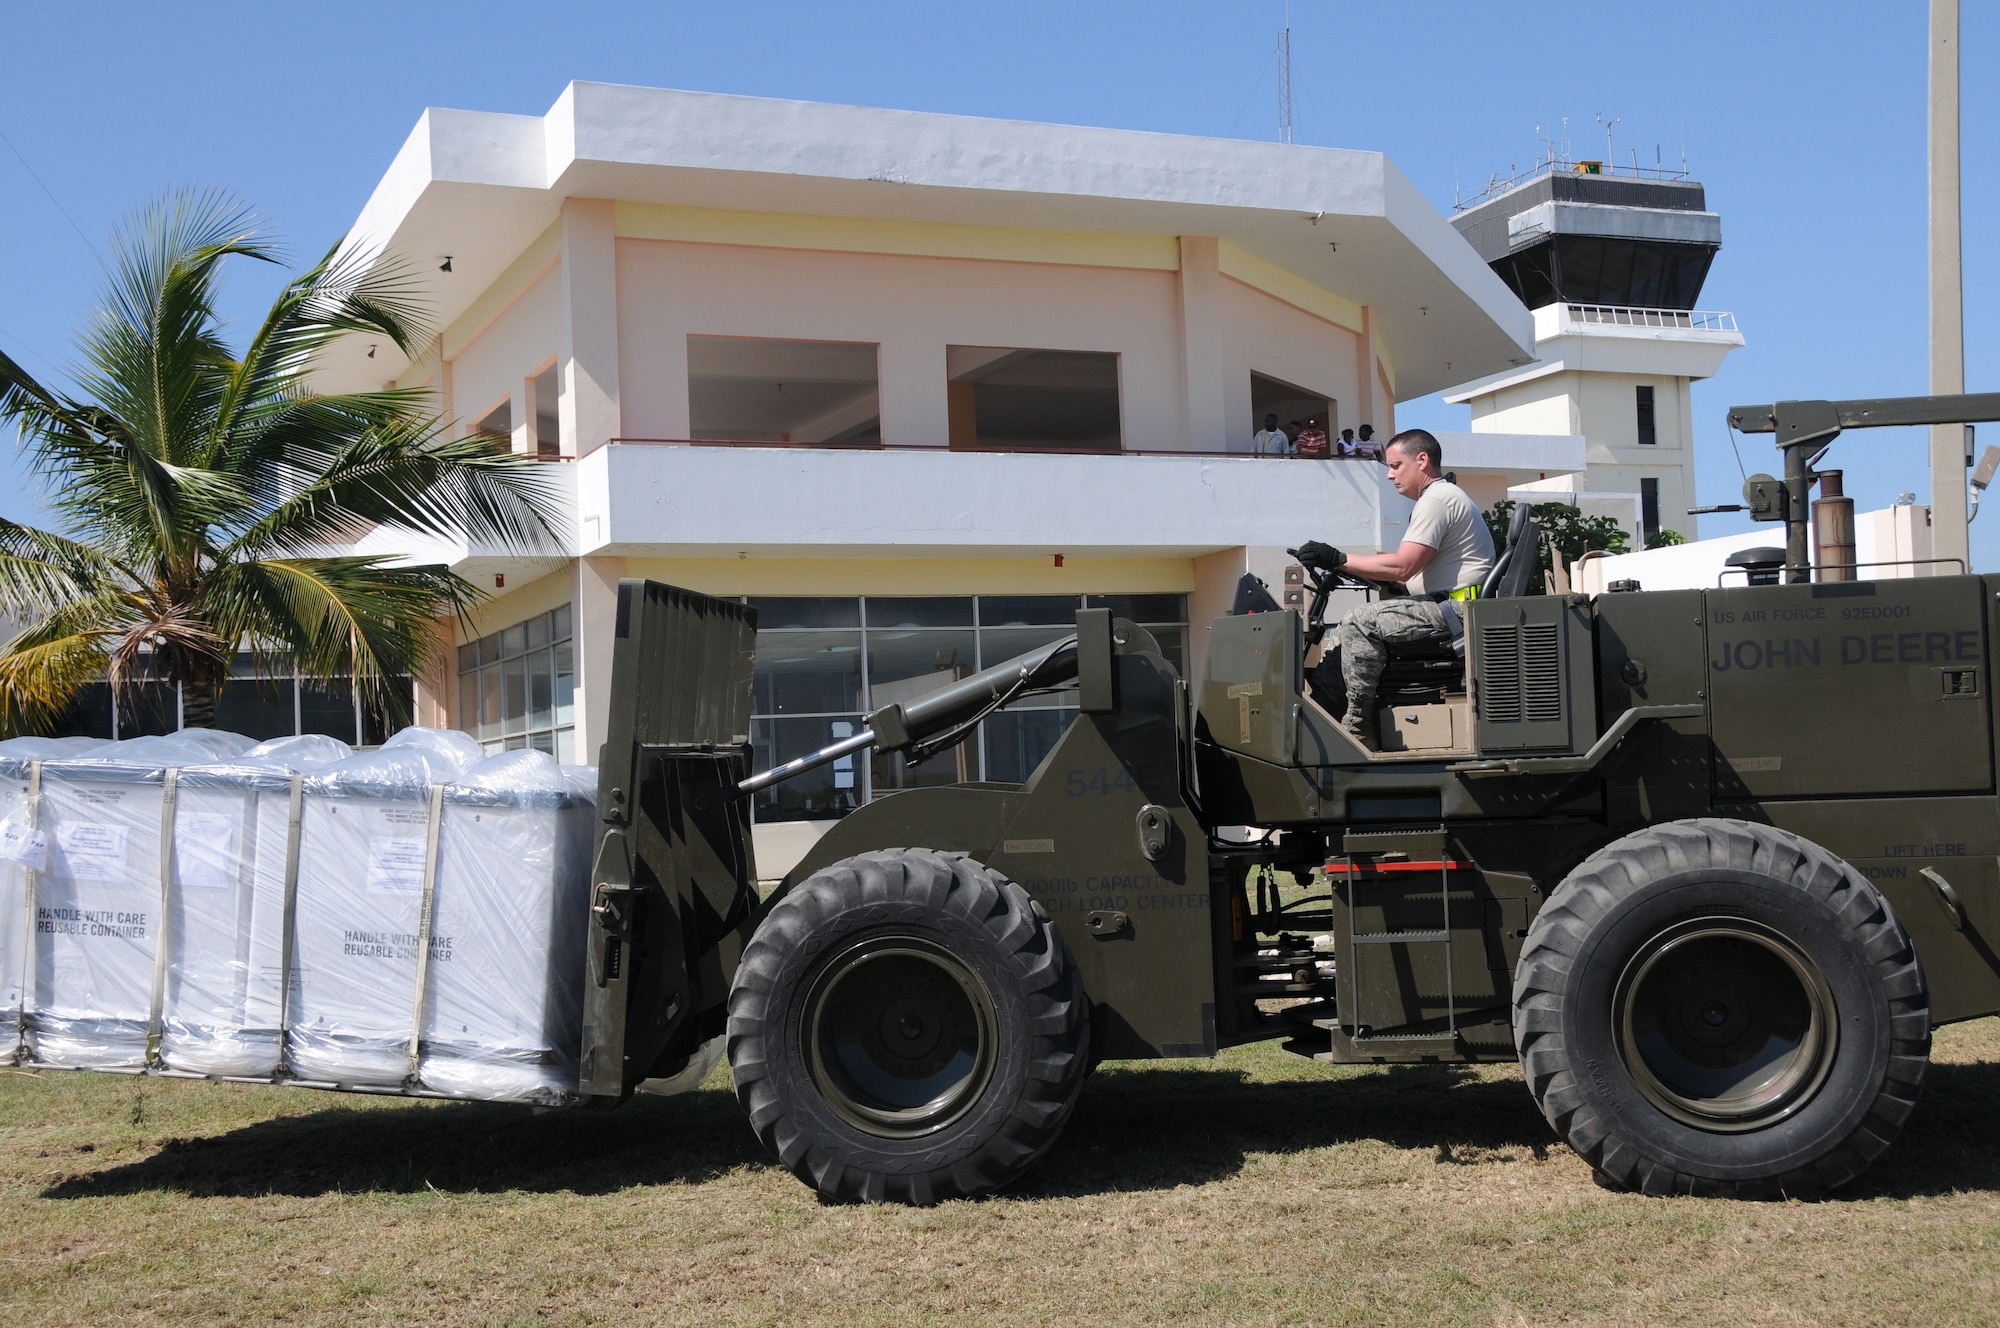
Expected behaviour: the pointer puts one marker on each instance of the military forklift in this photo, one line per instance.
(1710, 863)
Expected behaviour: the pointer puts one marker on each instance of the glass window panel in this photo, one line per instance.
(489, 701)
(245, 666)
(925, 611)
(1027, 610)
(257, 708)
(830, 791)
(514, 744)
(1018, 740)
(541, 689)
(543, 742)
(468, 702)
(1144, 609)
(893, 770)
(538, 631)
(566, 746)
(565, 688)
(89, 714)
(1173, 646)
(998, 645)
(489, 649)
(903, 665)
(514, 640)
(468, 657)
(326, 705)
(514, 696)
(807, 672)
(559, 623)
(380, 716)
(806, 611)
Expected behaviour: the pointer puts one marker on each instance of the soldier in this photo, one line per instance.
(1445, 554)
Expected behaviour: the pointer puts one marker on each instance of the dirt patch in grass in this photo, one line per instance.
(1254, 1189)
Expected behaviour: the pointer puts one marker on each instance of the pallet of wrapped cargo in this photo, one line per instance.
(222, 1000)
(504, 995)
(23, 850)
(367, 850)
(97, 902)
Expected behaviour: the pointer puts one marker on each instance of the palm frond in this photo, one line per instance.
(412, 477)
(39, 681)
(40, 572)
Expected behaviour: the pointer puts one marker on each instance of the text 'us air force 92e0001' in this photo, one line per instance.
(1711, 863)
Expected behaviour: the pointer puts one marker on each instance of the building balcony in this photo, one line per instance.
(692, 499)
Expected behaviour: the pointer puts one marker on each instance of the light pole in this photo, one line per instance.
(1949, 537)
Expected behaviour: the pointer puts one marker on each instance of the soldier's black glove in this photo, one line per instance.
(1323, 557)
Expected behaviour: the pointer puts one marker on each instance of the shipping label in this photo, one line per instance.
(20, 844)
(396, 864)
(205, 850)
(93, 851)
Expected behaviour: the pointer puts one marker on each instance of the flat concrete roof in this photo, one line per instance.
(482, 186)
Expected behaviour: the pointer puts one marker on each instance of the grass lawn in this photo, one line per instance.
(1258, 1188)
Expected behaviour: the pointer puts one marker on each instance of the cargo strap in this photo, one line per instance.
(429, 910)
(154, 1023)
(29, 969)
(289, 924)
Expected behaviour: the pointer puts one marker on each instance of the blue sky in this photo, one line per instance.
(1805, 122)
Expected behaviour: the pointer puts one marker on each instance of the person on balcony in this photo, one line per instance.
(1312, 441)
(1346, 444)
(1365, 445)
(1445, 554)
(1271, 440)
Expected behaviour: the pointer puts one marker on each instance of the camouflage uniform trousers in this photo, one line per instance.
(1366, 634)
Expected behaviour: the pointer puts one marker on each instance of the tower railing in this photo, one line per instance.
(1618, 315)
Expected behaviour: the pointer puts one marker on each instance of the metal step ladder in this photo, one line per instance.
(1407, 875)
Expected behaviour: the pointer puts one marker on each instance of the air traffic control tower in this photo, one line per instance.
(1612, 263)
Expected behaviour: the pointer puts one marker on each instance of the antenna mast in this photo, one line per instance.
(1285, 78)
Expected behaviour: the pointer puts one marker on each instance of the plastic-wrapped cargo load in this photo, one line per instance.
(504, 999)
(97, 904)
(23, 848)
(365, 842)
(223, 999)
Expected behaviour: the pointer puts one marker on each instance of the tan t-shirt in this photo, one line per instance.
(1448, 521)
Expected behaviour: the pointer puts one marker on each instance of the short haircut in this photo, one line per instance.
(1421, 441)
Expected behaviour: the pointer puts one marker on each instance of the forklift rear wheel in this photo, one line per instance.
(1716, 1007)
(908, 1025)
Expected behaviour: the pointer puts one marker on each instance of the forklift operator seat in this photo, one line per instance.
(1439, 663)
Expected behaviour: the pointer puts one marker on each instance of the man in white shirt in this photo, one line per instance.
(1270, 440)
(1445, 554)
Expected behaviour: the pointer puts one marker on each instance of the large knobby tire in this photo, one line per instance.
(908, 1025)
(1715, 1007)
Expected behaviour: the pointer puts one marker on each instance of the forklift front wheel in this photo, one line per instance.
(1718, 1007)
(908, 1025)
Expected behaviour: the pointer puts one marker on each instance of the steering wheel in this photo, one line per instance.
(1324, 583)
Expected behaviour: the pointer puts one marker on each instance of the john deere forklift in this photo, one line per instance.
(1710, 863)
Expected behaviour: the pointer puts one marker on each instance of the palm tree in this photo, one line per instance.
(205, 494)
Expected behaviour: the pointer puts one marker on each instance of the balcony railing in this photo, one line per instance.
(1614, 315)
(940, 447)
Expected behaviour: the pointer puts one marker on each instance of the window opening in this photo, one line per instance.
(745, 389)
(1649, 506)
(1295, 407)
(547, 398)
(517, 687)
(1013, 400)
(1648, 436)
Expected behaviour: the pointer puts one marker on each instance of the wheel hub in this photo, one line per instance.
(899, 1036)
(1725, 1024)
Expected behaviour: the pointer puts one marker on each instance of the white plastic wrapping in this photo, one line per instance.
(363, 849)
(98, 903)
(225, 914)
(504, 1001)
(509, 857)
(22, 849)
